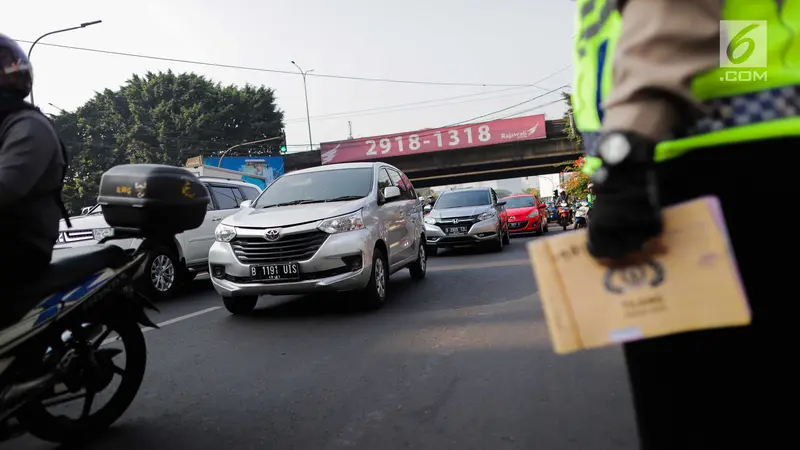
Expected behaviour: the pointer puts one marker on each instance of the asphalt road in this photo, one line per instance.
(461, 360)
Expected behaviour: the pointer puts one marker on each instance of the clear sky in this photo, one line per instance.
(485, 42)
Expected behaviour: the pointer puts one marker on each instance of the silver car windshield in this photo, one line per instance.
(317, 187)
(463, 199)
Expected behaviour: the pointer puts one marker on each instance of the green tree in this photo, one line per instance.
(162, 118)
(502, 193)
(426, 192)
(577, 183)
(533, 191)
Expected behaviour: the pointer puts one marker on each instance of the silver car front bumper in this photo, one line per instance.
(480, 233)
(332, 268)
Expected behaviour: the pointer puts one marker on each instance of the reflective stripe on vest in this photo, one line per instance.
(743, 103)
(749, 103)
(598, 24)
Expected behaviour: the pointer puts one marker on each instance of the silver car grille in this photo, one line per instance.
(289, 248)
(457, 221)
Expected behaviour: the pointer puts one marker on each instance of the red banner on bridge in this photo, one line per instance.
(435, 140)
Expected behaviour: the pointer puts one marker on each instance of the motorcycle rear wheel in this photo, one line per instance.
(40, 422)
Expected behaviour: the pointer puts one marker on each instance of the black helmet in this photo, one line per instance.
(16, 73)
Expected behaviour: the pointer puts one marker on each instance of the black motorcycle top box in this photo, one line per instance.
(153, 198)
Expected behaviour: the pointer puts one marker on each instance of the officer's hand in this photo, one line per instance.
(626, 216)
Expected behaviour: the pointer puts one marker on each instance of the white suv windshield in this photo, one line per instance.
(462, 199)
(317, 187)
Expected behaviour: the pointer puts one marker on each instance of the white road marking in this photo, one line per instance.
(513, 262)
(182, 318)
(482, 265)
(171, 321)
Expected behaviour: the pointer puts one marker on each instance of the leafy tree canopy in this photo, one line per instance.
(162, 118)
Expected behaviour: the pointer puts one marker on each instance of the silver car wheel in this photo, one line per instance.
(162, 273)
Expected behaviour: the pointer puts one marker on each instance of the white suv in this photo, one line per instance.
(340, 227)
(177, 261)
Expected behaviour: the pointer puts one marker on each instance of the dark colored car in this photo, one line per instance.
(467, 218)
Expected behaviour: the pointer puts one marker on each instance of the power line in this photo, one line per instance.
(535, 108)
(355, 113)
(432, 132)
(285, 72)
(510, 107)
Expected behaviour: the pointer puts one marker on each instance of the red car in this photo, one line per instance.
(525, 215)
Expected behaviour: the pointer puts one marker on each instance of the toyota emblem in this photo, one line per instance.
(272, 234)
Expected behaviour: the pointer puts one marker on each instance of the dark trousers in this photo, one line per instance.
(20, 267)
(730, 388)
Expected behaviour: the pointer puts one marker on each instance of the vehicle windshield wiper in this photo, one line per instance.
(293, 202)
(344, 198)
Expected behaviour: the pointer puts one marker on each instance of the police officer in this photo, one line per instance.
(32, 167)
(715, 127)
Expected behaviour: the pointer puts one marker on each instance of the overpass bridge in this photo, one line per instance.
(550, 151)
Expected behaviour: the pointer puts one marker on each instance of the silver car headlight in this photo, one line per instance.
(430, 221)
(61, 238)
(487, 216)
(342, 224)
(532, 214)
(224, 233)
(100, 233)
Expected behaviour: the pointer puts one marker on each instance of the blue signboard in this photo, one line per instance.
(269, 167)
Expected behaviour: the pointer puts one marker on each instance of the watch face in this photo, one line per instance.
(614, 149)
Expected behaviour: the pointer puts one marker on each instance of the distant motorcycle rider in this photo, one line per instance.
(32, 169)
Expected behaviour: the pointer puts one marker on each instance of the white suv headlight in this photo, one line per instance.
(430, 221)
(487, 216)
(532, 214)
(224, 233)
(342, 224)
(99, 233)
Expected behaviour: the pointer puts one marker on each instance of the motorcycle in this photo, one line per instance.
(564, 215)
(582, 216)
(60, 339)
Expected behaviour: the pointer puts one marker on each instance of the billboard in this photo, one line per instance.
(269, 167)
(435, 139)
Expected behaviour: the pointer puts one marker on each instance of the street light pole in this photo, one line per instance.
(219, 164)
(308, 115)
(83, 25)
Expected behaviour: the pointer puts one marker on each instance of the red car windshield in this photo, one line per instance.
(519, 202)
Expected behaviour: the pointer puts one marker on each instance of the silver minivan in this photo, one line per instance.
(342, 227)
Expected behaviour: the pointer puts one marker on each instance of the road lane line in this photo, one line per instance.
(170, 322)
(511, 262)
(184, 317)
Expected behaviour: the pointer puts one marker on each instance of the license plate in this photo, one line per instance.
(272, 272)
(456, 230)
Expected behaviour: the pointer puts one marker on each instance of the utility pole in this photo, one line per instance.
(308, 115)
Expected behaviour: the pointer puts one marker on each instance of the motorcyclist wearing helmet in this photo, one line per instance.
(32, 167)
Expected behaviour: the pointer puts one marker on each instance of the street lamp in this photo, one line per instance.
(242, 145)
(61, 110)
(83, 25)
(308, 115)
